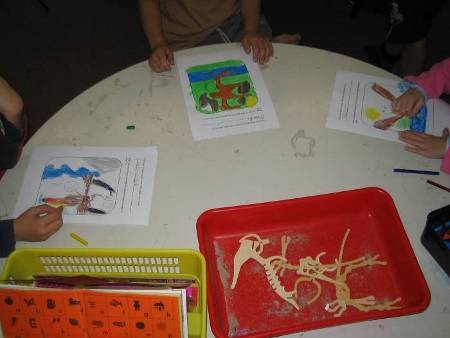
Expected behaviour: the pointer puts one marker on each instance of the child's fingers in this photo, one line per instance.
(42, 208)
(418, 151)
(164, 60)
(246, 45)
(52, 216)
(396, 108)
(416, 108)
(410, 137)
(53, 227)
(39, 211)
(415, 144)
(155, 64)
(268, 53)
(394, 104)
(48, 230)
(400, 107)
(256, 51)
(170, 57)
(412, 149)
(262, 51)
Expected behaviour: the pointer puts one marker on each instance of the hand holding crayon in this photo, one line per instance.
(38, 223)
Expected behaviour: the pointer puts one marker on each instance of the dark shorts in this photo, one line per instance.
(232, 30)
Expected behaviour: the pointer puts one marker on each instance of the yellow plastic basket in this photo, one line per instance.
(159, 263)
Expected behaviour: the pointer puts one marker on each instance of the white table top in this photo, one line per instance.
(193, 176)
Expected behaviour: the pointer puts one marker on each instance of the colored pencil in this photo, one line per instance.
(79, 239)
(440, 186)
(415, 171)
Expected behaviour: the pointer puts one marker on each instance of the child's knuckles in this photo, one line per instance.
(42, 233)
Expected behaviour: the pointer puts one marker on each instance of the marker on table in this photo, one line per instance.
(414, 171)
(438, 185)
(79, 239)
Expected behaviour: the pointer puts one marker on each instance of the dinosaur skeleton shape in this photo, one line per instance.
(310, 270)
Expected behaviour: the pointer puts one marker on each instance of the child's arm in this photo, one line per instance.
(7, 242)
(34, 225)
(11, 104)
(445, 165)
(435, 81)
(161, 58)
(252, 40)
(10, 144)
(430, 84)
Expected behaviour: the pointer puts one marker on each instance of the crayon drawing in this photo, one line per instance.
(95, 185)
(225, 93)
(221, 86)
(362, 104)
(377, 109)
(83, 185)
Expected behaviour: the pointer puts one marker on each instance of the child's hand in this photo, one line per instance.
(37, 223)
(425, 144)
(260, 45)
(161, 59)
(409, 102)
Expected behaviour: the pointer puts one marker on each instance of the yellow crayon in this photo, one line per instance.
(79, 239)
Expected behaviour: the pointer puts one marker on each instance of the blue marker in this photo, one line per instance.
(414, 171)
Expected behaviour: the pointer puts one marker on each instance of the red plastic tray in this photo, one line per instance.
(256, 306)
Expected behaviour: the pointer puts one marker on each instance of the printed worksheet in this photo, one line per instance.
(98, 185)
(361, 104)
(225, 94)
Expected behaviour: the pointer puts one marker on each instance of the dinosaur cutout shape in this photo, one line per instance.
(311, 270)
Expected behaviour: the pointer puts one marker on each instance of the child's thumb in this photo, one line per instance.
(445, 133)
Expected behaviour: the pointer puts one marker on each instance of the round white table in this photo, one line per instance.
(193, 176)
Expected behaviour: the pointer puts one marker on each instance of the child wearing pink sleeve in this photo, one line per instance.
(430, 84)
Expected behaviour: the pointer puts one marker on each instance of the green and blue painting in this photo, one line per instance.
(221, 86)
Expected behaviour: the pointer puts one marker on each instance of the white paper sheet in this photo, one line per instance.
(355, 106)
(247, 107)
(98, 185)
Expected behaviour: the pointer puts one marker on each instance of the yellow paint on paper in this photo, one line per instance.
(251, 101)
(372, 113)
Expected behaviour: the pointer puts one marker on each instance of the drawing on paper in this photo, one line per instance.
(377, 110)
(313, 271)
(83, 185)
(221, 86)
